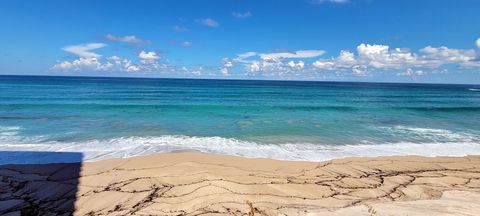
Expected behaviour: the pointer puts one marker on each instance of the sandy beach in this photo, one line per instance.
(192, 183)
(240, 108)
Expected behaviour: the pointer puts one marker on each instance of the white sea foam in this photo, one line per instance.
(8, 134)
(9, 130)
(473, 89)
(17, 149)
(134, 146)
(11, 134)
(431, 134)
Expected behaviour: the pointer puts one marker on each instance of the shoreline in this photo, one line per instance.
(192, 183)
(127, 147)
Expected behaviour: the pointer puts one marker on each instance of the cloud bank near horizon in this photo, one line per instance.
(366, 61)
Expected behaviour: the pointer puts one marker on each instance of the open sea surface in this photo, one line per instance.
(122, 117)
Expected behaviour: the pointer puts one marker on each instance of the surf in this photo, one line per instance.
(124, 147)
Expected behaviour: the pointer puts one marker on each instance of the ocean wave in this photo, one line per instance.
(442, 109)
(473, 89)
(431, 134)
(9, 128)
(136, 146)
(9, 133)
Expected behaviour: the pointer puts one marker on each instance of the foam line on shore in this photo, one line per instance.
(94, 150)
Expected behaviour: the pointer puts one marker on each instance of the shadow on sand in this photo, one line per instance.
(38, 183)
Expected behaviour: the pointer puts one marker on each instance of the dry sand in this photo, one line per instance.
(204, 184)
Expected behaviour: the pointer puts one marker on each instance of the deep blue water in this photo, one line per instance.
(117, 117)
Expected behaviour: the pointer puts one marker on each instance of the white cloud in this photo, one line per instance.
(148, 62)
(329, 1)
(84, 50)
(272, 62)
(127, 39)
(478, 43)
(274, 67)
(243, 56)
(255, 66)
(186, 43)
(411, 72)
(91, 64)
(325, 64)
(381, 57)
(225, 66)
(182, 43)
(177, 28)
(144, 55)
(366, 60)
(196, 72)
(445, 55)
(207, 22)
(475, 63)
(360, 70)
(297, 54)
(114, 58)
(346, 59)
(112, 63)
(242, 15)
(224, 71)
(128, 66)
(299, 64)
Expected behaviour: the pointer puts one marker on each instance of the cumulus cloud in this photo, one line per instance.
(84, 50)
(382, 57)
(144, 55)
(360, 70)
(91, 63)
(363, 60)
(225, 66)
(118, 64)
(256, 62)
(299, 64)
(478, 43)
(411, 72)
(276, 63)
(366, 60)
(113, 63)
(147, 62)
(346, 59)
(443, 55)
(207, 22)
(126, 39)
(242, 15)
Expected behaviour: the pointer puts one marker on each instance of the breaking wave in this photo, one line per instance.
(136, 146)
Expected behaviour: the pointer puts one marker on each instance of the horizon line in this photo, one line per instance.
(235, 79)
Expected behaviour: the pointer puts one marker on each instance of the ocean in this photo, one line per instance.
(291, 120)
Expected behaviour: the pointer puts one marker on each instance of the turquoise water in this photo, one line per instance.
(120, 117)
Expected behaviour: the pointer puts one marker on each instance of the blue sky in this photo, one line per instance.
(353, 40)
